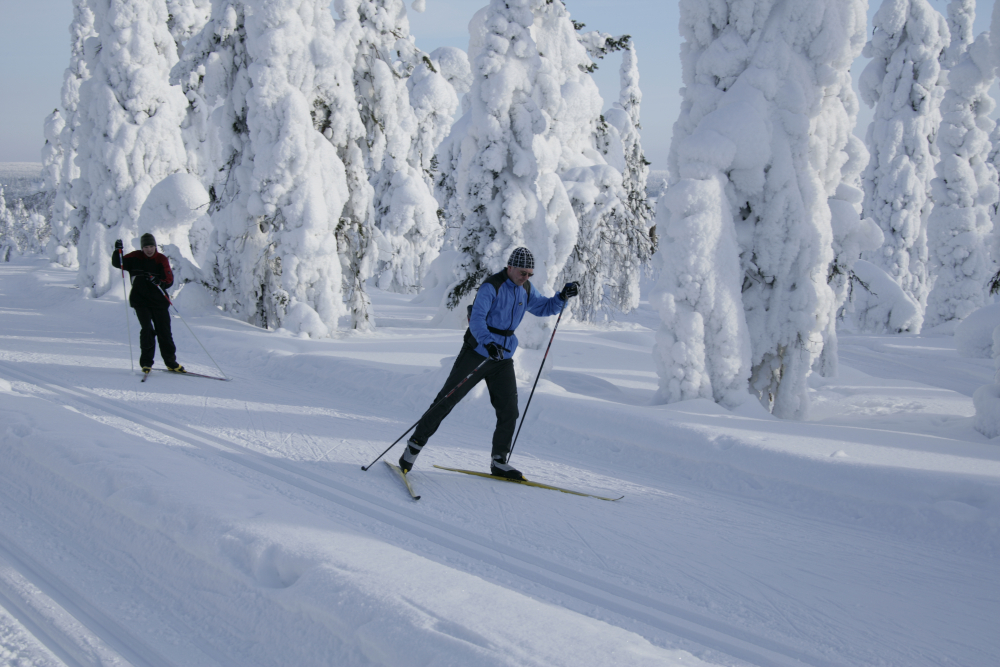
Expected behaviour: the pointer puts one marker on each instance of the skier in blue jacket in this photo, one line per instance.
(498, 309)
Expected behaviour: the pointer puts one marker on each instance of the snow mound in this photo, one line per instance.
(974, 336)
(880, 305)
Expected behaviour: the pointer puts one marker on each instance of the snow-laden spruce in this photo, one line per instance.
(130, 119)
(756, 81)
(902, 83)
(61, 165)
(399, 140)
(278, 186)
(505, 155)
(21, 230)
(841, 157)
(186, 19)
(987, 397)
(613, 246)
(966, 184)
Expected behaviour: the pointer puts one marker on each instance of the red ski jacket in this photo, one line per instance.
(145, 293)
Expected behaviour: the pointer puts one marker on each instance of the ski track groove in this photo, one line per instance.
(710, 633)
(129, 648)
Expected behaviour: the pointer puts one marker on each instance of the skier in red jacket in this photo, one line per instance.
(151, 277)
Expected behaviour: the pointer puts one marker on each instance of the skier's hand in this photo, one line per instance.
(495, 351)
(571, 289)
(119, 245)
(153, 279)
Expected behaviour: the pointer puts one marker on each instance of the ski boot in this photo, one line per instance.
(409, 456)
(500, 469)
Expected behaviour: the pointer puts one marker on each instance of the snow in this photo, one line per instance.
(974, 336)
(187, 521)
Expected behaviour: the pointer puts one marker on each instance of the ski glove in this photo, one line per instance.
(156, 281)
(571, 289)
(118, 245)
(495, 351)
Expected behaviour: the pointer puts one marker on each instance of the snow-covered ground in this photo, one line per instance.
(190, 522)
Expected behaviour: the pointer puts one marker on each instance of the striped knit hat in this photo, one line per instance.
(521, 258)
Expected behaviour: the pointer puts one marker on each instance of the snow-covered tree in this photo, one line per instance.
(756, 78)
(280, 187)
(609, 200)
(966, 184)
(902, 83)
(186, 18)
(64, 218)
(405, 208)
(53, 157)
(841, 157)
(505, 159)
(131, 119)
(453, 64)
(21, 231)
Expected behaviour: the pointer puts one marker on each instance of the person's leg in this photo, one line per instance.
(502, 385)
(147, 337)
(466, 361)
(168, 351)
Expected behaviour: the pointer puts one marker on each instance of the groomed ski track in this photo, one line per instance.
(714, 556)
(531, 569)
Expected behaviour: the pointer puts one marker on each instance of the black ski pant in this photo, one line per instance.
(154, 326)
(500, 382)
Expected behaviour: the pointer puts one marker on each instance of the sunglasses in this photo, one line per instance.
(526, 274)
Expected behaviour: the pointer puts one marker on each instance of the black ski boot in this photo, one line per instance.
(409, 456)
(500, 469)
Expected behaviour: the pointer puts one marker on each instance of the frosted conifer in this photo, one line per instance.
(902, 83)
(508, 193)
(405, 209)
(966, 183)
(130, 116)
(756, 75)
(64, 218)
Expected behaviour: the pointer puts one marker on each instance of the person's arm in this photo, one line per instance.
(544, 306)
(168, 276)
(480, 309)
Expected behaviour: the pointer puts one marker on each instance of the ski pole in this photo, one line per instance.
(164, 293)
(536, 380)
(425, 413)
(128, 327)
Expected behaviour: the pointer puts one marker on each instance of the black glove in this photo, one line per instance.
(571, 289)
(495, 351)
(118, 245)
(153, 279)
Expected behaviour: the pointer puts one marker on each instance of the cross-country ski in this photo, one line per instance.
(192, 374)
(527, 483)
(406, 480)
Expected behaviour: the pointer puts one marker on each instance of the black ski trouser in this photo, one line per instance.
(500, 382)
(154, 326)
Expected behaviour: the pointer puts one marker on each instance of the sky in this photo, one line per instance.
(34, 53)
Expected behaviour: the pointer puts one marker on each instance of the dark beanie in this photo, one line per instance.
(147, 239)
(521, 258)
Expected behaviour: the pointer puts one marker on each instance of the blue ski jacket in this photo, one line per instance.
(499, 308)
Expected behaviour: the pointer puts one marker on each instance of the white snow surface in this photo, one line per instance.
(185, 521)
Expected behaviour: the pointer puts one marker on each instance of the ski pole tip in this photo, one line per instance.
(365, 468)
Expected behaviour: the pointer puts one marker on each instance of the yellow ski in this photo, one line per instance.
(403, 477)
(526, 483)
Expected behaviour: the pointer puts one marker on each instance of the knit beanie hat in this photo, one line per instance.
(147, 239)
(521, 258)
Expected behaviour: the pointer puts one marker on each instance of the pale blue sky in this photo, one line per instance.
(34, 52)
